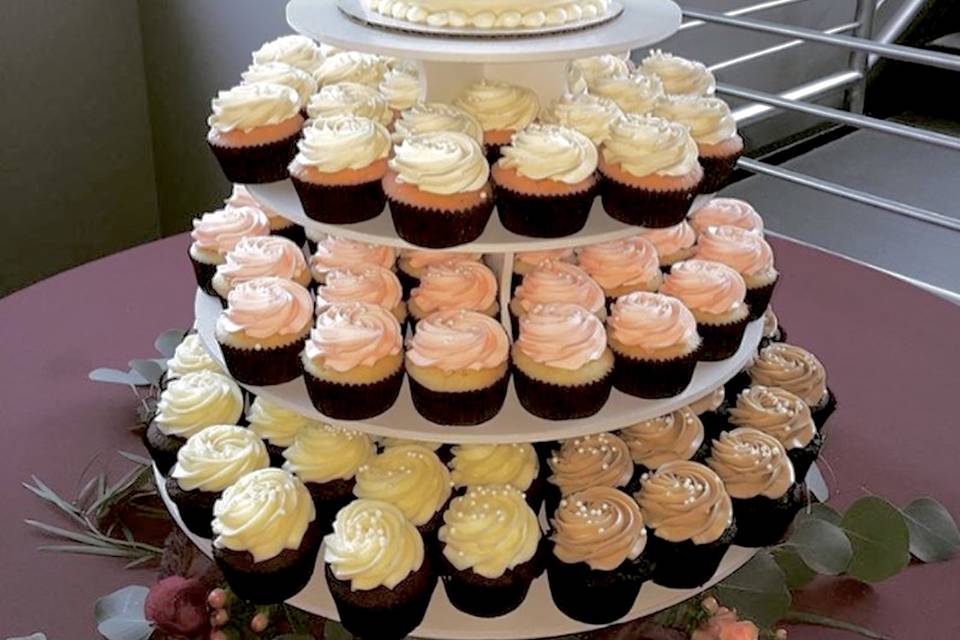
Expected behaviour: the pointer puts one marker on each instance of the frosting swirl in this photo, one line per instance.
(583, 73)
(275, 424)
(638, 94)
(600, 526)
(590, 115)
(416, 260)
(771, 325)
(630, 262)
(652, 321)
(499, 106)
(400, 89)
(454, 340)
(410, 477)
(685, 501)
(334, 252)
(536, 258)
(644, 145)
(565, 336)
(705, 286)
(190, 356)
(679, 75)
(262, 256)
(429, 117)
(776, 412)
(336, 143)
(455, 285)
(709, 119)
(283, 74)
(367, 69)
(196, 401)
(240, 196)
(560, 282)
(218, 456)
(726, 212)
(371, 284)
(323, 453)
(296, 50)
(709, 402)
(793, 368)
(442, 162)
(475, 465)
(266, 307)
(596, 460)
(353, 334)
(745, 251)
(220, 231)
(751, 464)
(349, 98)
(550, 152)
(677, 435)
(670, 241)
(248, 106)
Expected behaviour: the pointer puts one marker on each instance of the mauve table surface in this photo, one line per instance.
(891, 352)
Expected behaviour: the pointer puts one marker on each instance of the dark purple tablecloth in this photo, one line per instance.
(891, 351)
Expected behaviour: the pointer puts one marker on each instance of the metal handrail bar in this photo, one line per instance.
(750, 113)
(837, 115)
(866, 14)
(743, 11)
(894, 51)
(777, 48)
(832, 188)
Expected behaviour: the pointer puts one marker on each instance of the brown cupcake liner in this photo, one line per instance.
(493, 152)
(733, 387)
(437, 229)
(459, 408)
(204, 273)
(408, 282)
(715, 423)
(758, 299)
(195, 507)
(293, 233)
(560, 402)
(717, 171)
(596, 597)
(654, 379)
(543, 216)
(275, 453)
(340, 204)
(762, 521)
(262, 367)
(686, 565)
(822, 412)
(162, 448)
(483, 597)
(257, 164)
(645, 207)
(329, 498)
(804, 457)
(720, 341)
(353, 401)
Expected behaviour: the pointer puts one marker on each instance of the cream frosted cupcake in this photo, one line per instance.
(413, 263)
(590, 115)
(622, 266)
(295, 50)
(276, 426)
(438, 186)
(349, 99)
(501, 108)
(263, 330)
(260, 257)
(526, 261)
(216, 233)
(188, 405)
(254, 130)
(750, 255)
(279, 226)
(482, 465)
(190, 356)
(715, 132)
(545, 181)
(562, 367)
(720, 212)
(554, 281)
(208, 463)
(673, 244)
(338, 171)
(401, 90)
(583, 73)
(637, 93)
(458, 362)
(367, 69)
(326, 458)
(715, 295)
(798, 371)
(283, 74)
(353, 361)
(490, 539)
(677, 435)
(447, 286)
(266, 538)
(430, 117)
(679, 76)
(599, 460)
(655, 343)
(334, 252)
(371, 284)
(650, 171)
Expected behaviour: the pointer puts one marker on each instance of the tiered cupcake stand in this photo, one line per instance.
(449, 64)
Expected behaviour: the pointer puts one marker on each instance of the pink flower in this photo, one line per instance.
(724, 625)
(742, 630)
(178, 606)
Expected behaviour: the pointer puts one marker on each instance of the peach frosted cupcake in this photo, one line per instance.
(349, 99)
(438, 187)
(722, 212)
(369, 283)
(636, 93)
(526, 261)
(336, 252)
(338, 172)
(679, 76)
(622, 266)
(545, 181)
(259, 257)
(751, 256)
(673, 244)
(715, 131)
(590, 115)
(554, 281)
(295, 50)
(284, 74)
(413, 263)
(279, 225)
(254, 130)
(455, 285)
(715, 294)
(430, 117)
(650, 171)
(502, 109)
(216, 233)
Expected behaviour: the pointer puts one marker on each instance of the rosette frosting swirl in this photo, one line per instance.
(677, 435)
(220, 231)
(400, 89)
(353, 334)
(745, 251)
(671, 240)
(283, 74)
(367, 69)
(709, 119)
(586, 71)
(266, 307)
(475, 465)
(218, 456)
(455, 340)
(685, 501)
(590, 115)
(652, 321)
(349, 98)
(628, 262)
(198, 400)
(710, 402)
(262, 256)
(726, 212)
(751, 463)
(705, 286)
(456, 285)
(240, 196)
(442, 162)
(264, 512)
(190, 356)
(275, 424)
(248, 106)
(536, 258)
(776, 412)
(371, 284)
(637, 94)
(600, 526)
(323, 453)
(596, 460)
(341, 142)
(499, 106)
(554, 281)
(334, 252)
(645, 145)
(296, 50)
(429, 117)
(679, 75)
(418, 259)
(410, 477)
(793, 368)
(550, 152)
(565, 336)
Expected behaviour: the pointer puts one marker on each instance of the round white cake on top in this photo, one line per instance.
(490, 14)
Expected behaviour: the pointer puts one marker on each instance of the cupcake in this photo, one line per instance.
(490, 539)
(254, 130)
(266, 538)
(447, 286)
(715, 294)
(677, 435)
(562, 367)
(773, 331)
(545, 181)
(458, 362)
(295, 50)
(190, 356)
(263, 329)
(679, 76)
(283, 74)
(260, 257)
(583, 73)
(216, 233)
(367, 69)
(483, 465)
(798, 371)
(401, 90)
(649, 171)
(353, 361)
(636, 93)
(673, 244)
(438, 189)
(715, 132)
(371, 284)
(277, 426)
(726, 212)
(599, 460)
(208, 463)
(349, 99)
(553, 281)
(413, 263)
(430, 117)
(597, 562)
(188, 405)
(338, 172)
(751, 256)
(622, 266)
(334, 252)
(590, 115)
(655, 344)
(443, 451)
(279, 226)
(502, 109)
(326, 458)
(377, 570)
(711, 409)
(783, 415)
(759, 477)
(526, 261)
(690, 517)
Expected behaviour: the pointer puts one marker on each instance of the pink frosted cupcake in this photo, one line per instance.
(722, 212)
(438, 189)
(279, 226)
(650, 171)
(715, 294)
(371, 284)
(656, 345)
(552, 282)
(502, 109)
(335, 252)
(353, 361)
(545, 181)
(715, 131)
(413, 263)
(673, 244)
(261, 257)
(455, 285)
(254, 130)
(338, 172)
(526, 261)
(622, 266)
(216, 233)
(751, 256)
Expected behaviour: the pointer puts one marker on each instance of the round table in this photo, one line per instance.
(890, 350)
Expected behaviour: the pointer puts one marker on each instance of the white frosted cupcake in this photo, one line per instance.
(430, 117)
(501, 108)
(583, 73)
(277, 426)
(637, 93)
(679, 76)
(190, 356)
(367, 69)
(349, 99)
(295, 50)
(284, 74)
(481, 465)
(401, 90)
(590, 115)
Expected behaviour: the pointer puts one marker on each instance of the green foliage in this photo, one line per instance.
(823, 547)
(797, 574)
(758, 590)
(880, 539)
(933, 533)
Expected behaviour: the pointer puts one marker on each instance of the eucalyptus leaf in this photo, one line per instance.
(933, 532)
(333, 630)
(880, 539)
(796, 572)
(803, 617)
(822, 546)
(115, 376)
(166, 343)
(32, 636)
(758, 590)
(819, 511)
(119, 615)
(148, 369)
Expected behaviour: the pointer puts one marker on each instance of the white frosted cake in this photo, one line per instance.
(490, 14)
